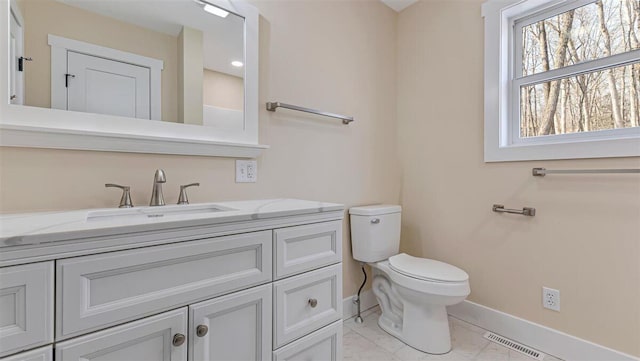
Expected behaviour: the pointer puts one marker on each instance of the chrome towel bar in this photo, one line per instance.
(526, 211)
(272, 106)
(541, 172)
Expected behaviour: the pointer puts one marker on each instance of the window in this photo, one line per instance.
(562, 79)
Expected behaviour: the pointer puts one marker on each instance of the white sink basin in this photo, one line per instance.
(155, 212)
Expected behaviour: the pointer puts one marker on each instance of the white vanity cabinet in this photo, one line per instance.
(260, 289)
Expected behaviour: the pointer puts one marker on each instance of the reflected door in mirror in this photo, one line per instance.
(16, 46)
(104, 86)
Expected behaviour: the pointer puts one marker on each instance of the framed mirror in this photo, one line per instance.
(152, 76)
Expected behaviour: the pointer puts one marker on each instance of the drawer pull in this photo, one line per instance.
(178, 339)
(313, 302)
(375, 220)
(202, 330)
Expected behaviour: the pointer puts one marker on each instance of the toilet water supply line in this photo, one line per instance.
(358, 318)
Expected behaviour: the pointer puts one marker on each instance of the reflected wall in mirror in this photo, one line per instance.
(172, 60)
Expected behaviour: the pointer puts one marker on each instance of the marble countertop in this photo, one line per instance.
(34, 228)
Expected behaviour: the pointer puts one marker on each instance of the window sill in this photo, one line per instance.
(579, 149)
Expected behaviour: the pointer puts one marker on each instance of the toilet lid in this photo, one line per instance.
(427, 269)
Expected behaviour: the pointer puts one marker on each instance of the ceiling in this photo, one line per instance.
(223, 38)
(399, 5)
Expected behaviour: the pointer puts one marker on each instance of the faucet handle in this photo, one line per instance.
(125, 201)
(183, 193)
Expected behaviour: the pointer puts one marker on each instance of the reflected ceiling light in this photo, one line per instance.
(215, 10)
(237, 64)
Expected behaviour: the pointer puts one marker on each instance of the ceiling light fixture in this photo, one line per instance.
(215, 10)
(237, 64)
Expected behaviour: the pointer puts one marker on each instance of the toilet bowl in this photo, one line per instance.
(412, 292)
(419, 317)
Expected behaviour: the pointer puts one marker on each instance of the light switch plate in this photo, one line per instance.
(246, 171)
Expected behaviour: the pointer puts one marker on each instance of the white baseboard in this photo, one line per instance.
(539, 337)
(349, 309)
(542, 338)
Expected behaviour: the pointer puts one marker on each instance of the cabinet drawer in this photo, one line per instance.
(322, 345)
(304, 248)
(39, 354)
(26, 307)
(144, 340)
(107, 289)
(305, 303)
(238, 327)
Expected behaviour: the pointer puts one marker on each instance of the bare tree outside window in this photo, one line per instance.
(597, 100)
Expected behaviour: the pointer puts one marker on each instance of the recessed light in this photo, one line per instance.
(237, 64)
(215, 10)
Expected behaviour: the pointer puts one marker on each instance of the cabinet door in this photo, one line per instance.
(238, 327)
(26, 307)
(39, 354)
(322, 345)
(150, 339)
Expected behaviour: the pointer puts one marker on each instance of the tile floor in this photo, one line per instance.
(367, 342)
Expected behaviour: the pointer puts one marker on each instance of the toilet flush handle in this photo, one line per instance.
(375, 220)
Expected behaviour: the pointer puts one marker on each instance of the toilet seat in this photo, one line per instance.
(432, 287)
(426, 269)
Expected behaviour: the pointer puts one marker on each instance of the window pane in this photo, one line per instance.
(589, 32)
(607, 99)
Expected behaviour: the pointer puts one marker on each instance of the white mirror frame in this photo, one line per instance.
(24, 126)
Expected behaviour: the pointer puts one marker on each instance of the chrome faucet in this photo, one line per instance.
(157, 199)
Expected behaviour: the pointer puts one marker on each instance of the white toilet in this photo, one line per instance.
(412, 292)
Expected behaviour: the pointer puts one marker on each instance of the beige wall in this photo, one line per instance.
(223, 90)
(340, 58)
(585, 238)
(43, 17)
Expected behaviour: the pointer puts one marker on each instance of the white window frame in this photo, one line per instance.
(502, 140)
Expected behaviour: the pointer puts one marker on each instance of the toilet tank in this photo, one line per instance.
(375, 232)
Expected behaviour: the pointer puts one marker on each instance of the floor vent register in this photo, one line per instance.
(514, 346)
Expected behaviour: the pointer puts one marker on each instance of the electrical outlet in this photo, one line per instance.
(246, 171)
(551, 299)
